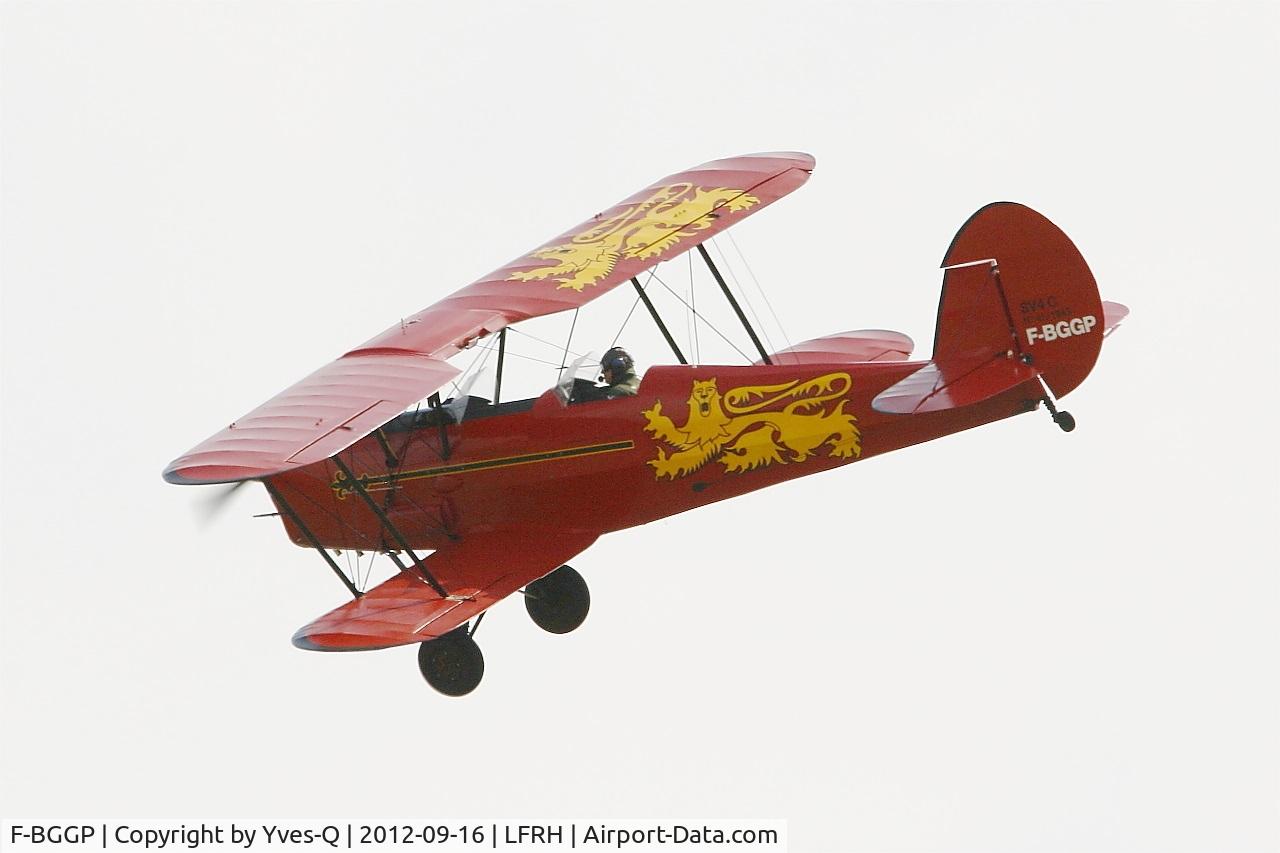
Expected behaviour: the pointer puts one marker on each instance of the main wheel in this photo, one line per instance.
(558, 602)
(1065, 421)
(452, 664)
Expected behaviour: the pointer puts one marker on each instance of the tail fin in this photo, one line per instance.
(1014, 283)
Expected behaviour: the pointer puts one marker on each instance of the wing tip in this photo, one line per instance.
(303, 641)
(798, 159)
(210, 475)
(337, 641)
(780, 160)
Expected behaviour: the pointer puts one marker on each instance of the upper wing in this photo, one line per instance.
(328, 411)
(478, 572)
(349, 398)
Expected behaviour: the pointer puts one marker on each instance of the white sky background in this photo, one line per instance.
(1010, 639)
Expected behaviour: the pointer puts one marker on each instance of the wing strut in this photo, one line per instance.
(502, 351)
(433, 402)
(391, 459)
(764, 356)
(311, 537)
(653, 312)
(395, 532)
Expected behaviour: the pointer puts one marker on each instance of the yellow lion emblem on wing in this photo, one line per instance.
(735, 428)
(643, 230)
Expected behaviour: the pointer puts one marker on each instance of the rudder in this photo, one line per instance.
(1014, 282)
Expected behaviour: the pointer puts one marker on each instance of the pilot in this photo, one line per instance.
(618, 371)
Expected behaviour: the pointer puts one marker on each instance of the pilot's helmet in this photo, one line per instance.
(618, 361)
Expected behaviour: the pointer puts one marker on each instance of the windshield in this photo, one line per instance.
(585, 367)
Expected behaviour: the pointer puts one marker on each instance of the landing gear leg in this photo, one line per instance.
(452, 664)
(558, 602)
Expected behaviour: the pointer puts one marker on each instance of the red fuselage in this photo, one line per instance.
(599, 466)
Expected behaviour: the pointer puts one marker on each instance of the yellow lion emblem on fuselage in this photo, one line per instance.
(734, 427)
(642, 230)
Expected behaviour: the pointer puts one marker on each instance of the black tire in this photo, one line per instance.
(558, 603)
(1065, 421)
(452, 664)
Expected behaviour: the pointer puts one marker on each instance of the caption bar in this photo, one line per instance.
(454, 835)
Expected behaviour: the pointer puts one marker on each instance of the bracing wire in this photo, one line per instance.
(564, 359)
(511, 354)
(625, 321)
(693, 306)
(539, 340)
(688, 325)
(708, 323)
(767, 303)
(481, 357)
(742, 291)
(361, 578)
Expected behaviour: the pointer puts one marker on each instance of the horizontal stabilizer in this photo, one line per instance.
(1113, 313)
(936, 387)
(477, 572)
(846, 347)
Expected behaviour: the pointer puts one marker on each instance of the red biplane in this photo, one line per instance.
(349, 466)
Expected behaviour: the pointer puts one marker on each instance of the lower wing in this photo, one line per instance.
(477, 572)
